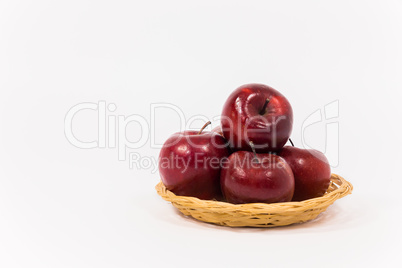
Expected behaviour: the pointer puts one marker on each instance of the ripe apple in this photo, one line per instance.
(311, 171)
(257, 113)
(256, 178)
(189, 163)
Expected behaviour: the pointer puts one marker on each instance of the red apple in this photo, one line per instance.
(260, 178)
(311, 171)
(190, 162)
(257, 113)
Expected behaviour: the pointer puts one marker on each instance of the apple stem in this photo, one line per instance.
(291, 142)
(203, 127)
(264, 107)
(253, 149)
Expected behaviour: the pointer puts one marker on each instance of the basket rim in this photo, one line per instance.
(342, 189)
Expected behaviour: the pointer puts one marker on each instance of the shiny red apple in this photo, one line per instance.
(190, 163)
(257, 113)
(261, 178)
(311, 171)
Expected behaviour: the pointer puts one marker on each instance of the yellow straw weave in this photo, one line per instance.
(257, 214)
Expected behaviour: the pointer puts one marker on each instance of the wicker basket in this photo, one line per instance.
(257, 214)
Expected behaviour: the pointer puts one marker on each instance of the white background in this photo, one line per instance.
(61, 206)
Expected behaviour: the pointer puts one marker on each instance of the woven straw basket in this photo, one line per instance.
(257, 214)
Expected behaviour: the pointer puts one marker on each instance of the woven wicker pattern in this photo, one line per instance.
(257, 214)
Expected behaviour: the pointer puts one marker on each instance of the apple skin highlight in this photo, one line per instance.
(257, 113)
(261, 178)
(311, 171)
(189, 164)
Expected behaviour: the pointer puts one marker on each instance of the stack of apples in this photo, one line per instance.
(245, 160)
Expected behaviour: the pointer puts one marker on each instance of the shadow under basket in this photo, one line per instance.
(257, 214)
